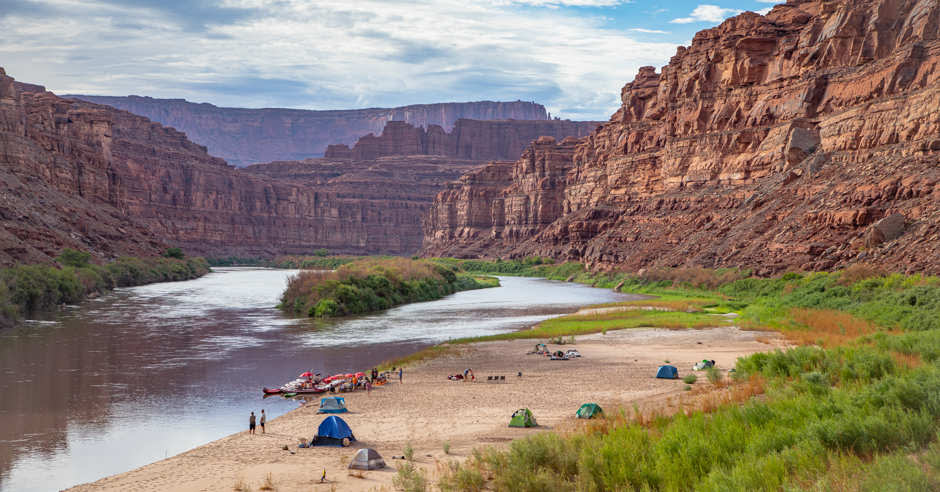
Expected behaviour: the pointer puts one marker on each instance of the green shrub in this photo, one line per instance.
(895, 472)
(409, 478)
(689, 379)
(174, 253)
(457, 478)
(73, 258)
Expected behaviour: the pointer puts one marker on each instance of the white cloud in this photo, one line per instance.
(707, 13)
(648, 31)
(764, 11)
(333, 54)
(563, 3)
(771, 1)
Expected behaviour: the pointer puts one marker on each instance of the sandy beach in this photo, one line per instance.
(617, 371)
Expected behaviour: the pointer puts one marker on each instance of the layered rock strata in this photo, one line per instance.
(479, 210)
(76, 174)
(808, 138)
(245, 136)
(394, 193)
(56, 182)
(470, 139)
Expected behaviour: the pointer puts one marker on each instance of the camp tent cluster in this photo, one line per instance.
(334, 431)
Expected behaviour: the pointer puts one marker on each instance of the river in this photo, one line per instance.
(148, 372)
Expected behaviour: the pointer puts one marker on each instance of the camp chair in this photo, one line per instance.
(489, 378)
(502, 379)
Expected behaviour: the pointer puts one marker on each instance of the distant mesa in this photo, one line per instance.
(470, 139)
(245, 136)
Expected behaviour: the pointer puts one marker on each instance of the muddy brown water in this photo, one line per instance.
(148, 372)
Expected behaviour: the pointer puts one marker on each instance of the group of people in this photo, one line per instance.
(252, 421)
(466, 376)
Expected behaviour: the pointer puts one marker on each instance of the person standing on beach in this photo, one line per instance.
(263, 418)
(400, 369)
(251, 423)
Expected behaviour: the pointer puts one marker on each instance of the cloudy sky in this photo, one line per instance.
(571, 55)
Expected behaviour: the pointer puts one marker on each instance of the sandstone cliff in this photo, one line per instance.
(805, 139)
(393, 194)
(55, 182)
(76, 174)
(407, 166)
(245, 136)
(470, 139)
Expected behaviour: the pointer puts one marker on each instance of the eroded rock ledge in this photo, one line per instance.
(774, 142)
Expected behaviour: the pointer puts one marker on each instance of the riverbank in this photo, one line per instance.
(34, 289)
(847, 405)
(428, 412)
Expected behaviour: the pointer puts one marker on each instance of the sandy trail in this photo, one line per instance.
(616, 370)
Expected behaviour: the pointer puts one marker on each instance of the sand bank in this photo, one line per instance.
(616, 370)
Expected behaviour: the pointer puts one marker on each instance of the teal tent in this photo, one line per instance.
(667, 372)
(590, 411)
(332, 404)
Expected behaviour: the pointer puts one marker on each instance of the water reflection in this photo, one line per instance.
(152, 371)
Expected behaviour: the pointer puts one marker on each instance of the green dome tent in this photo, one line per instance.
(589, 411)
(522, 418)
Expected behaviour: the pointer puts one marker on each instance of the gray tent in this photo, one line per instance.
(367, 459)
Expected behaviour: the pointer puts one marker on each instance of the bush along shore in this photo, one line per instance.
(853, 405)
(31, 289)
(374, 284)
(311, 262)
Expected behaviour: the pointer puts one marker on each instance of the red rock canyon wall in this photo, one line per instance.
(81, 175)
(805, 139)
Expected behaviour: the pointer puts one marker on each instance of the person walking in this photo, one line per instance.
(251, 423)
(400, 371)
(263, 419)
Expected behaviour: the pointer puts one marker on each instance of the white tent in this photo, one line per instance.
(367, 459)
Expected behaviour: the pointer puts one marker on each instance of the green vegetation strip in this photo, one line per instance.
(373, 284)
(31, 289)
(856, 407)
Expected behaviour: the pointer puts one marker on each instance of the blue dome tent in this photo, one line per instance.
(333, 431)
(667, 372)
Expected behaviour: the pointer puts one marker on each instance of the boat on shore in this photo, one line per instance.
(310, 383)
